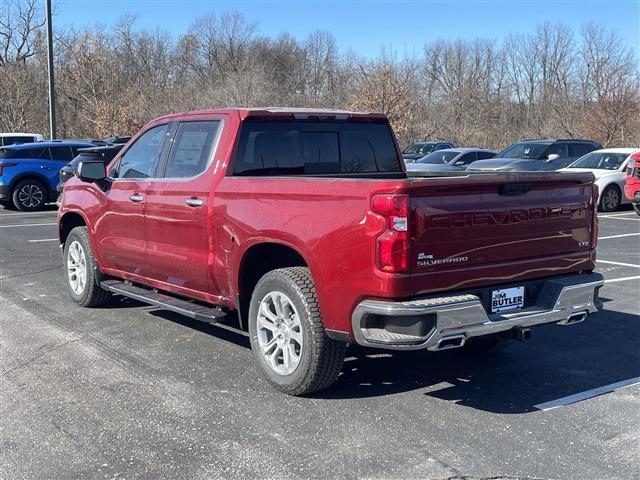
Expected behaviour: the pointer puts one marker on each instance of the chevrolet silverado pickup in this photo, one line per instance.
(304, 227)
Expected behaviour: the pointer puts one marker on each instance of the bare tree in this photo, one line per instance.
(20, 24)
(475, 92)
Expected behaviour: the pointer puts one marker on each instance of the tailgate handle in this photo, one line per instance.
(514, 188)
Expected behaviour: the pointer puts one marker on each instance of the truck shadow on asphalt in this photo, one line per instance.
(556, 362)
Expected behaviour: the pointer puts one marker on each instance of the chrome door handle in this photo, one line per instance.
(136, 198)
(194, 202)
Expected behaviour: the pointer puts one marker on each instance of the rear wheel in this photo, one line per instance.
(83, 276)
(287, 334)
(29, 195)
(610, 199)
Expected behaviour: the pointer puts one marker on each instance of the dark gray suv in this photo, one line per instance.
(537, 155)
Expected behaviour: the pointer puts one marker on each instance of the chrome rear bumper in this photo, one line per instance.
(451, 320)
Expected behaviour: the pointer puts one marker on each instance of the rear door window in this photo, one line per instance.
(45, 154)
(61, 154)
(192, 149)
(579, 149)
(560, 149)
(467, 158)
(485, 155)
(315, 148)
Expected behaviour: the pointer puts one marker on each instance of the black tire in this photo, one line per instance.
(91, 295)
(29, 195)
(321, 358)
(486, 344)
(610, 199)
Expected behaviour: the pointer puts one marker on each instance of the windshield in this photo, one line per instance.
(600, 160)
(531, 151)
(420, 148)
(440, 157)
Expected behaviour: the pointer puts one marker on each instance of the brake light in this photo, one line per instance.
(594, 212)
(6, 164)
(392, 246)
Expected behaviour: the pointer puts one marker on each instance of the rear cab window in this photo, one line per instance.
(277, 148)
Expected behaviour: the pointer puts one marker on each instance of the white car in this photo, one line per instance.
(11, 138)
(609, 166)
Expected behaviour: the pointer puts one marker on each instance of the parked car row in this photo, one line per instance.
(609, 166)
(32, 170)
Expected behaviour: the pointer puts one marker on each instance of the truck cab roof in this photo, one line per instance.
(283, 113)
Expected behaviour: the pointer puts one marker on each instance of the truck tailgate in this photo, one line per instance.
(499, 229)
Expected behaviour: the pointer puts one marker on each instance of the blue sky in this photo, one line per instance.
(368, 26)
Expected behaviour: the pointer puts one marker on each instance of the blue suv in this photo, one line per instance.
(29, 172)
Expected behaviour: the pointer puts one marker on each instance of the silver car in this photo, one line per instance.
(450, 159)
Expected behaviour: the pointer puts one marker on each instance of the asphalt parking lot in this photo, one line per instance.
(130, 391)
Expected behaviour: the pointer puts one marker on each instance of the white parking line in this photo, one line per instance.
(617, 214)
(43, 240)
(622, 279)
(594, 392)
(621, 218)
(618, 263)
(55, 212)
(619, 236)
(27, 225)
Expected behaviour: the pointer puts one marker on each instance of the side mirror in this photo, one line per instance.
(92, 171)
(459, 162)
(552, 156)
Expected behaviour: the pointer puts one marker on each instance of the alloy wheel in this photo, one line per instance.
(77, 267)
(280, 333)
(611, 199)
(30, 195)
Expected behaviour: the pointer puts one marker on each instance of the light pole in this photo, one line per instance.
(52, 92)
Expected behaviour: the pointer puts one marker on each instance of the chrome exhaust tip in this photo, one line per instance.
(575, 318)
(453, 341)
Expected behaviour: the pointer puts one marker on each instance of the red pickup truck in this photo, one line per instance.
(306, 225)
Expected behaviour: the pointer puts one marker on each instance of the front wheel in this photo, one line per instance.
(81, 269)
(287, 334)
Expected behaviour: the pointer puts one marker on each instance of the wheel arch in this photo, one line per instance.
(31, 176)
(67, 222)
(257, 260)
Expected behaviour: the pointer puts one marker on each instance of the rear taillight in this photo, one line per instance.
(392, 245)
(594, 212)
(3, 165)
